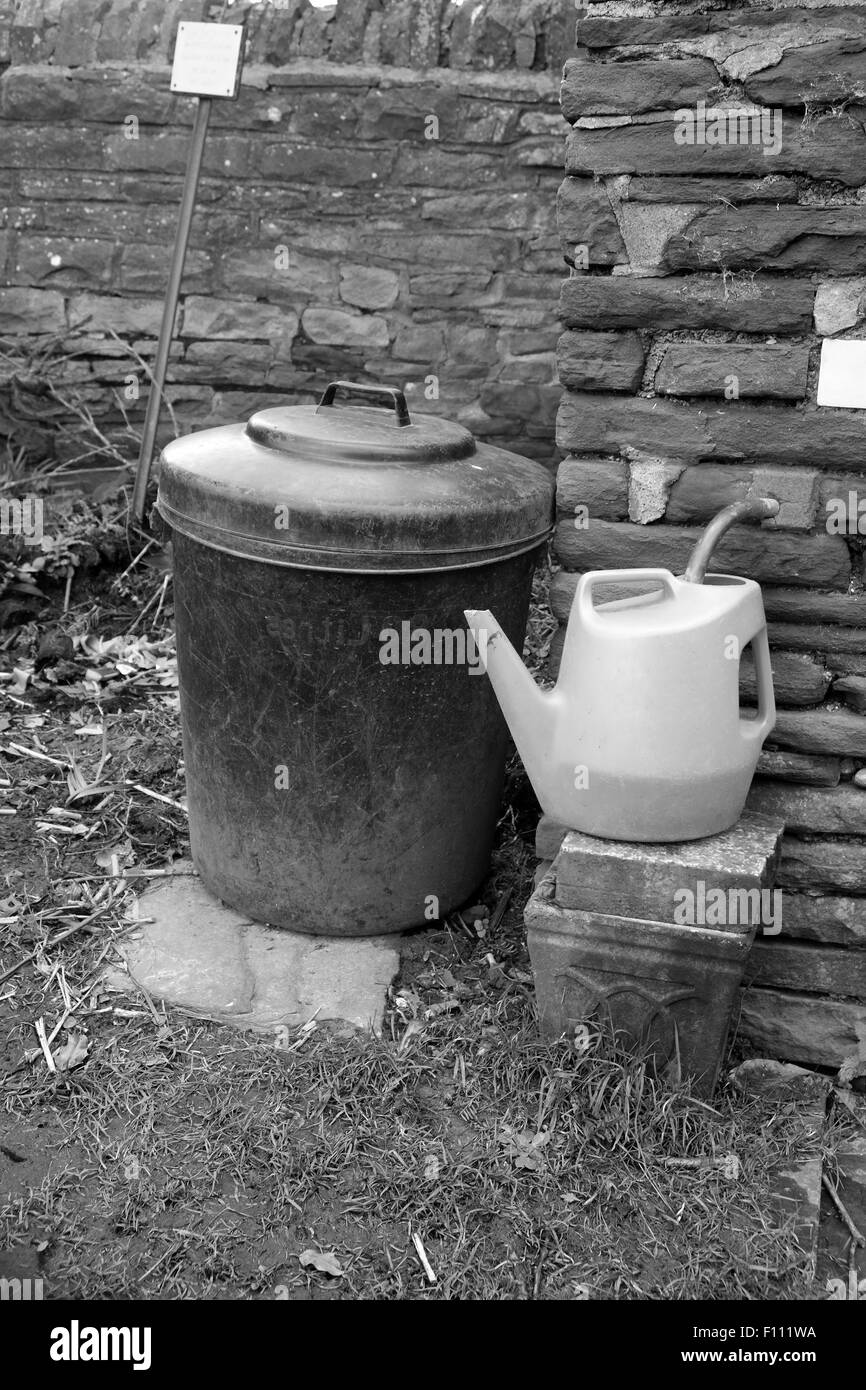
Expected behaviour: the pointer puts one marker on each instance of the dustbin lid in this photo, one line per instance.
(360, 487)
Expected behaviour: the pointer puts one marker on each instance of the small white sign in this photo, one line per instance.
(208, 59)
(842, 374)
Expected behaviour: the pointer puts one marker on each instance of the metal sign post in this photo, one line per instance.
(208, 60)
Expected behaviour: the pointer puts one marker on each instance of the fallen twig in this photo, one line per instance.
(856, 1235)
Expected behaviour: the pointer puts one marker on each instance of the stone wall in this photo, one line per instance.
(705, 274)
(377, 205)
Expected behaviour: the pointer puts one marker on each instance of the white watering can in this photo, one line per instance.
(642, 738)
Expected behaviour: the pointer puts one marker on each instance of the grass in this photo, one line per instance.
(456, 1156)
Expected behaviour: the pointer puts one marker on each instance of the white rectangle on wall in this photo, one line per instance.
(207, 59)
(842, 374)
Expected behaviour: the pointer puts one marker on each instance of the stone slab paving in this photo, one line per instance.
(796, 1185)
(202, 957)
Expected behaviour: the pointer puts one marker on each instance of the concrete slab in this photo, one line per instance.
(795, 1184)
(206, 959)
(629, 879)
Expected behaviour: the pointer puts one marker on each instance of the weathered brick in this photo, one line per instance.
(749, 369)
(64, 262)
(831, 866)
(600, 361)
(220, 362)
(817, 74)
(368, 286)
(167, 151)
(764, 434)
(833, 148)
(769, 237)
(319, 164)
(731, 28)
(205, 317)
(31, 311)
(420, 342)
(694, 301)
(260, 273)
(113, 313)
(143, 269)
(599, 485)
(597, 88)
(774, 188)
(767, 556)
(335, 326)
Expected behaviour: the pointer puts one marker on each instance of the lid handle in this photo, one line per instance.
(396, 397)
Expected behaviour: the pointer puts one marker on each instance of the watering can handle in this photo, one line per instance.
(758, 728)
(587, 582)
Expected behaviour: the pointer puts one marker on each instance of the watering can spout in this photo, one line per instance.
(529, 712)
(757, 508)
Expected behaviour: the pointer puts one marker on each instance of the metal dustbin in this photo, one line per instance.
(344, 750)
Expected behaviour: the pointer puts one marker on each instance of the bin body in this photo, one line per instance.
(344, 749)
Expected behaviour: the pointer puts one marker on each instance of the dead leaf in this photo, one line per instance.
(323, 1261)
(432, 1168)
(73, 1052)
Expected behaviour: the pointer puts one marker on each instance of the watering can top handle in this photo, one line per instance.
(587, 582)
(393, 396)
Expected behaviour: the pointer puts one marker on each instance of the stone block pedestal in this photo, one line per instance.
(605, 947)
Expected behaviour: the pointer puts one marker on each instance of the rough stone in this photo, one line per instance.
(695, 301)
(274, 275)
(837, 732)
(830, 918)
(807, 811)
(805, 769)
(715, 369)
(757, 554)
(25, 310)
(766, 236)
(595, 88)
(420, 342)
(734, 432)
(795, 489)
(781, 964)
(833, 149)
(600, 361)
(818, 74)
(839, 304)
(849, 610)
(797, 679)
(599, 485)
(774, 188)
(334, 326)
(799, 1027)
(369, 286)
(113, 313)
(832, 866)
(853, 692)
(588, 230)
(797, 637)
(209, 960)
(649, 229)
(206, 317)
